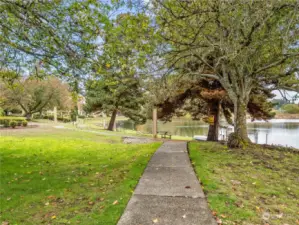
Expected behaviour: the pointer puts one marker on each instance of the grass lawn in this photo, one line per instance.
(254, 186)
(67, 177)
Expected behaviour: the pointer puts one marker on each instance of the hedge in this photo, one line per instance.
(51, 117)
(5, 120)
(291, 108)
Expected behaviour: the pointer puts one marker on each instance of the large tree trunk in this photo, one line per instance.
(112, 120)
(239, 139)
(240, 121)
(28, 116)
(214, 128)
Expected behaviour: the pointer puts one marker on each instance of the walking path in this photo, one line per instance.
(169, 192)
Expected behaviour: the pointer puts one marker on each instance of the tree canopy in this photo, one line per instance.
(35, 95)
(240, 44)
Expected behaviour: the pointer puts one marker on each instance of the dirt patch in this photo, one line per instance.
(286, 116)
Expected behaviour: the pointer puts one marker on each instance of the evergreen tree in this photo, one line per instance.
(119, 69)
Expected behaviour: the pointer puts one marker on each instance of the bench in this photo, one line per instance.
(165, 134)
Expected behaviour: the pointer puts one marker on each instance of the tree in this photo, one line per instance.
(116, 96)
(240, 44)
(33, 95)
(204, 98)
(116, 85)
(43, 34)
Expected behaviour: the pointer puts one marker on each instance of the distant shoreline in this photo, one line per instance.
(286, 116)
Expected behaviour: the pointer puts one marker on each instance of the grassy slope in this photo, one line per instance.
(255, 186)
(67, 177)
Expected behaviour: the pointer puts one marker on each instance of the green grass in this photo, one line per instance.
(248, 186)
(67, 177)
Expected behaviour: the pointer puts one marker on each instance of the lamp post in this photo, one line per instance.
(155, 123)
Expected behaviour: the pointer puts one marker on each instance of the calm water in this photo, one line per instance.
(276, 131)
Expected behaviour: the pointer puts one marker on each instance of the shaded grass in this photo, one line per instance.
(52, 179)
(253, 186)
(48, 130)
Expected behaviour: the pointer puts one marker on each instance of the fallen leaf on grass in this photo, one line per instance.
(90, 203)
(266, 216)
(53, 217)
(47, 203)
(219, 221)
(115, 202)
(235, 182)
(5, 223)
(279, 216)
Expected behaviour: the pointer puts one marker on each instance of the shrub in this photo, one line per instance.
(13, 123)
(6, 123)
(1, 112)
(24, 123)
(291, 108)
(5, 120)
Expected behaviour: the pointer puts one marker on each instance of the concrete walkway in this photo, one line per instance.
(169, 192)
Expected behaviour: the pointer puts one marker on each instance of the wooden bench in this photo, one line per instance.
(165, 134)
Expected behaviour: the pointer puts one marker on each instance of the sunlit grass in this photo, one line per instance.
(253, 186)
(47, 179)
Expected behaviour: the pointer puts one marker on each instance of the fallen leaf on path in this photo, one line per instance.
(155, 220)
(184, 216)
(187, 187)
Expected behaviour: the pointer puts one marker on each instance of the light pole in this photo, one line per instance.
(155, 123)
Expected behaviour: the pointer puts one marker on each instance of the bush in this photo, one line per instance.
(5, 120)
(13, 123)
(24, 123)
(6, 123)
(291, 108)
(1, 112)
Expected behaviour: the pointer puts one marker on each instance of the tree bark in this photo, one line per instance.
(112, 120)
(214, 128)
(240, 121)
(28, 116)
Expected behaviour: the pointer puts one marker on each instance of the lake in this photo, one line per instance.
(277, 131)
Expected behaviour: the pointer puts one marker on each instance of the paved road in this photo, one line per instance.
(168, 192)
